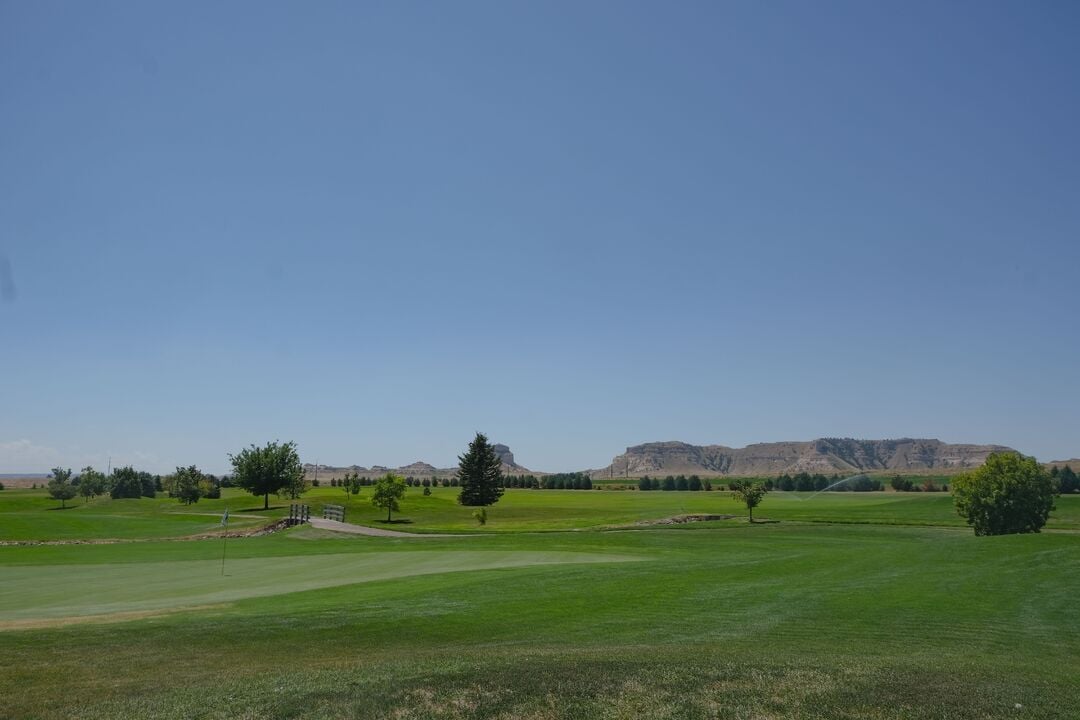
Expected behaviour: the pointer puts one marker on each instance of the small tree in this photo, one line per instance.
(91, 483)
(480, 474)
(1010, 494)
(389, 489)
(271, 469)
(60, 486)
(188, 484)
(750, 493)
(350, 483)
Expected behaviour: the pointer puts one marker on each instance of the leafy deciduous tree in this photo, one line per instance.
(389, 489)
(274, 469)
(91, 483)
(750, 493)
(188, 484)
(1009, 494)
(125, 483)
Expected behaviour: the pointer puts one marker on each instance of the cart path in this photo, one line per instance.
(336, 526)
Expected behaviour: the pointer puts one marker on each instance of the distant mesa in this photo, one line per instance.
(824, 455)
(418, 469)
(507, 458)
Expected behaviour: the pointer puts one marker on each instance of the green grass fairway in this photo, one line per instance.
(33, 592)
(27, 515)
(874, 607)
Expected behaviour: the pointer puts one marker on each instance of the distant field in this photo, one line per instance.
(878, 605)
(23, 481)
(30, 515)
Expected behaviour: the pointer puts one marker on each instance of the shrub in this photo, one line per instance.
(1010, 494)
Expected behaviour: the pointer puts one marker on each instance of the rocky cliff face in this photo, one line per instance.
(825, 455)
(503, 453)
(417, 469)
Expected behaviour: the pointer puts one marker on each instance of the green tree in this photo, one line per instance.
(61, 487)
(271, 469)
(479, 474)
(350, 484)
(1009, 494)
(91, 483)
(389, 489)
(125, 483)
(751, 493)
(1068, 482)
(188, 484)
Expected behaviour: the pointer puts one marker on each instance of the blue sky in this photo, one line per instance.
(374, 228)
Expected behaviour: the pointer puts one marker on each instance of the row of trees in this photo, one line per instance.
(123, 482)
(905, 484)
(1067, 480)
(672, 482)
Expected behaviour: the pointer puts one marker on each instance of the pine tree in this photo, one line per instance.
(479, 474)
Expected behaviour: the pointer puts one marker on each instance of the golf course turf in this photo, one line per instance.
(844, 605)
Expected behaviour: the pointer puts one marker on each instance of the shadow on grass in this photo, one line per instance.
(395, 521)
(259, 509)
(62, 508)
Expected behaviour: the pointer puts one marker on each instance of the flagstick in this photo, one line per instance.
(224, 544)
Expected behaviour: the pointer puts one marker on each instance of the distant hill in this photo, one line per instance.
(825, 455)
(417, 469)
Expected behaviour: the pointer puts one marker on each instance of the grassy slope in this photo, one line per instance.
(780, 620)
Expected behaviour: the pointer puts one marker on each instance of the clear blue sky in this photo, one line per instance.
(374, 228)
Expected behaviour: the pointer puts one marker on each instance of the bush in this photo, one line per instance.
(1010, 494)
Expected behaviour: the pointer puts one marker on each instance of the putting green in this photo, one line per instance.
(65, 592)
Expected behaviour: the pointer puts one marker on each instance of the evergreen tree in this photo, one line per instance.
(479, 474)
(60, 486)
(1067, 480)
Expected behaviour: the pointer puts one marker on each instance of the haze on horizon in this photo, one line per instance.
(375, 229)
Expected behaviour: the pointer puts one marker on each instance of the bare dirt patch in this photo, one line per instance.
(41, 623)
(683, 519)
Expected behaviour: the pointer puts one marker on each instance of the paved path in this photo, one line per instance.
(336, 526)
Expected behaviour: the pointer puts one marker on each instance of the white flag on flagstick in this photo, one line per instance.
(225, 518)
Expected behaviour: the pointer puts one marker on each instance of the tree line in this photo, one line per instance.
(1066, 478)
